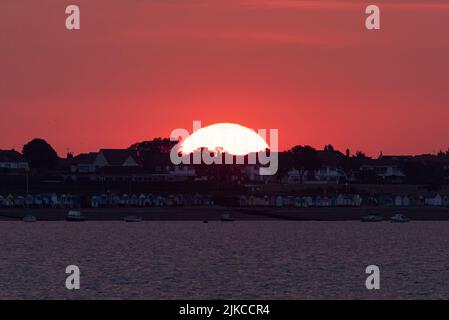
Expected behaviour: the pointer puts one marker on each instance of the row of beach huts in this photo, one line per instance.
(107, 200)
(104, 200)
(300, 202)
(341, 200)
(150, 200)
(40, 201)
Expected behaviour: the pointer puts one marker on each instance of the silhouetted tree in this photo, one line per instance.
(429, 173)
(154, 153)
(329, 147)
(305, 157)
(352, 164)
(361, 155)
(40, 154)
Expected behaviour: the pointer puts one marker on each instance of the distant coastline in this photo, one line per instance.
(212, 213)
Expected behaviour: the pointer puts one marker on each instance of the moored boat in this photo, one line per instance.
(372, 218)
(75, 216)
(226, 217)
(29, 218)
(132, 219)
(398, 217)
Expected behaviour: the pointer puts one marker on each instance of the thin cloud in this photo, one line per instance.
(333, 39)
(303, 4)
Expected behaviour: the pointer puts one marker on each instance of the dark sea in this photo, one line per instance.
(224, 260)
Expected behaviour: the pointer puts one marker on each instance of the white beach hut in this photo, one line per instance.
(279, 201)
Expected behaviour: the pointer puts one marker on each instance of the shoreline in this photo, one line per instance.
(239, 213)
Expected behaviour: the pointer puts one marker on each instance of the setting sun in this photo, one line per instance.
(225, 137)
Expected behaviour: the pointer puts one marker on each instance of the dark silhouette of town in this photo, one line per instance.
(143, 175)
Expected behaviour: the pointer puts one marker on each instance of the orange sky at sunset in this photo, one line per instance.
(138, 69)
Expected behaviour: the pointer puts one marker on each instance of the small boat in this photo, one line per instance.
(75, 216)
(29, 218)
(372, 218)
(205, 221)
(132, 219)
(226, 217)
(398, 217)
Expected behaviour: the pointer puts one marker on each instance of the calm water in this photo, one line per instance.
(239, 260)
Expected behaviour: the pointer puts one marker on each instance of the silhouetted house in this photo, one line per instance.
(11, 159)
(116, 158)
(394, 158)
(84, 163)
(385, 168)
(294, 176)
(121, 174)
(330, 174)
(331, 166)
(104, 159)
(182, 171)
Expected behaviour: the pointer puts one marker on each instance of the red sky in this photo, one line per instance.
(138, 69)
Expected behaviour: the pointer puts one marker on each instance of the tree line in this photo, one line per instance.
(429, 169)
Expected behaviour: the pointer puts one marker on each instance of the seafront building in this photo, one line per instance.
(119, 177)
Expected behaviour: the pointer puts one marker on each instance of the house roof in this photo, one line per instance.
(85, 158)
(395, 157)
(117, 157)
(11, 156)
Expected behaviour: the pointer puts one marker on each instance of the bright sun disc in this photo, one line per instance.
(225, 137)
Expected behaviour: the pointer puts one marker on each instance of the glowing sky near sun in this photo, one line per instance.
(225, 137)
(138, 69)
